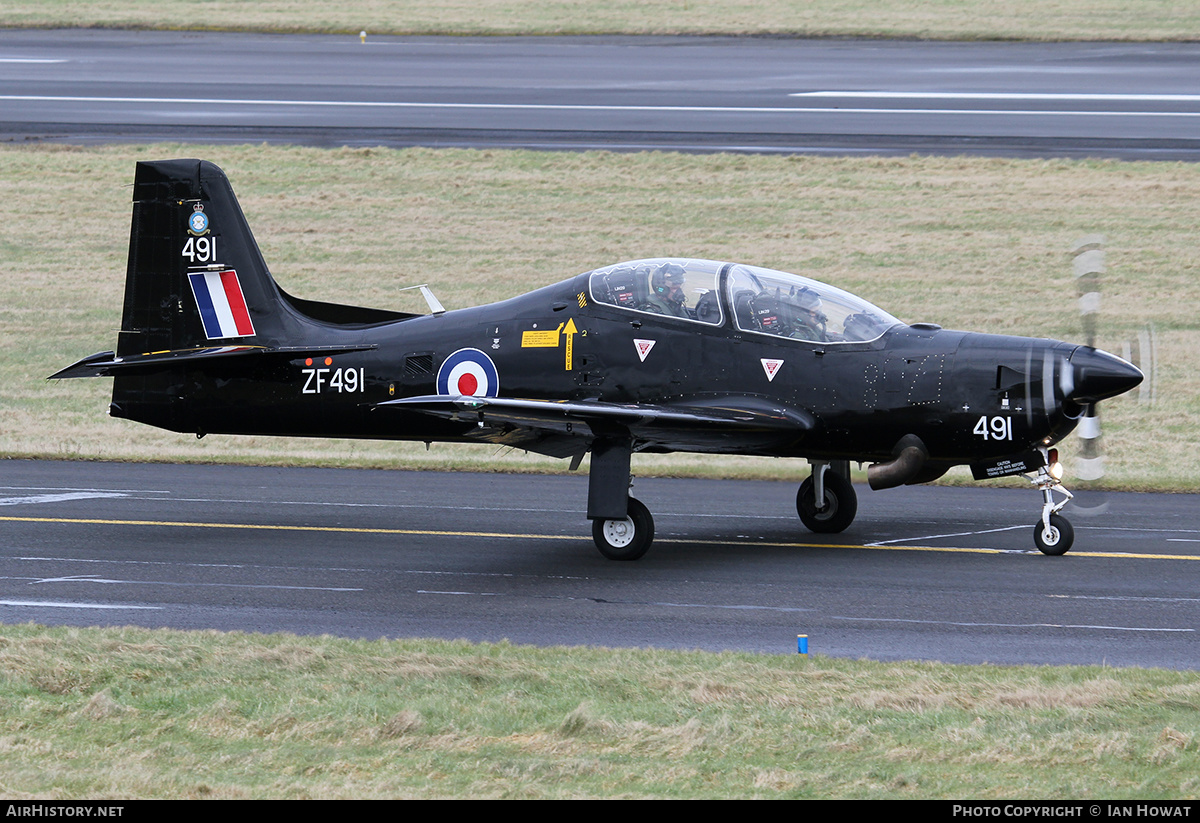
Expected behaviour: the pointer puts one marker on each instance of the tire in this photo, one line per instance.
(626, 539)
(841, 505)
(1060, 538)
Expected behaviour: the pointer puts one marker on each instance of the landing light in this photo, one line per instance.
(1054, 468)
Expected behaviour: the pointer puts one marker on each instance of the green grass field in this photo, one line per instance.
(125, 713)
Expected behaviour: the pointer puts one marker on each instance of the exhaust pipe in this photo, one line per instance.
(908, 458)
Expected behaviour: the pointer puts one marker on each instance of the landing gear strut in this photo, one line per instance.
(1053, 534)
(621, 525)
(826, 501)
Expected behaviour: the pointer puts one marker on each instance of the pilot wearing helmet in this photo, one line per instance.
(808, 321)
(860, 326)
(666, 291)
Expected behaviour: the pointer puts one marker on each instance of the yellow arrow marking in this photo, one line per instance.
(570, 331)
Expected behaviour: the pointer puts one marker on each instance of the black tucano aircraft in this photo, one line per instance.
(653, 355)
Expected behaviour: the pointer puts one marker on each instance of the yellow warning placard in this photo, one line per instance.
(540, 339)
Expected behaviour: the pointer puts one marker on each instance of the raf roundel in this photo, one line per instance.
(468, 372)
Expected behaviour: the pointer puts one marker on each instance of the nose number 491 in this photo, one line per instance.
(994, 428)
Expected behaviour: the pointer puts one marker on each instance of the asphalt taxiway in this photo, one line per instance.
(924, 573)
(832, 96)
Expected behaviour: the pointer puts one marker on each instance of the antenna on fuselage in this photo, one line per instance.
(435, 305)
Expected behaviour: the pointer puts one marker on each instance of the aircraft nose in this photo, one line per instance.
(1098, 375)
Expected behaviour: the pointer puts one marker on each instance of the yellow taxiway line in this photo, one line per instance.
(511, 536)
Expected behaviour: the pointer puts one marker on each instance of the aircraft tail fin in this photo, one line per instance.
(196, 277)
(199, 297)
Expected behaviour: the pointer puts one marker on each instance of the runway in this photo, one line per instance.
(924, 573)
(846, 97)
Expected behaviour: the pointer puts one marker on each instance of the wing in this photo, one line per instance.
(722, 424)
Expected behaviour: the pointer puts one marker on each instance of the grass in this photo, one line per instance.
(121, 713)
(971, 243)
(932, 19)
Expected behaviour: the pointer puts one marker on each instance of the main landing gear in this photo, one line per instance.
(626, 539)
(1053, 534)
(826, 501)
(621, 525)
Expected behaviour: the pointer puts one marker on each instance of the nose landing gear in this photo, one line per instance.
(1053, 534)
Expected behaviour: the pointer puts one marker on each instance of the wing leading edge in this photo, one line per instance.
(724, 423)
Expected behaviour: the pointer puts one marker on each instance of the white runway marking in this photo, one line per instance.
(1125, 598)
(791, 609)
(1000, 95)
(56, 498)
(133, 494)
(56, 604)
(462, 594)
(386, 104)
(80, 489)
(924, 537)
(92, 578)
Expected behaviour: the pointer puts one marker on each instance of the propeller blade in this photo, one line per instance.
(1089, 464)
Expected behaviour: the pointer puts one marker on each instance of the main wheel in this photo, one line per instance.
(1057, 539)
(626, 539)
(837, 512)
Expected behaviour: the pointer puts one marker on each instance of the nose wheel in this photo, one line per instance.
(1053, 534)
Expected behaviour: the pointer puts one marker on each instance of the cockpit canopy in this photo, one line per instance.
(751, 298)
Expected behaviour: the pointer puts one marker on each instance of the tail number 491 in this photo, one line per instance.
(200, 249)
(994, 428)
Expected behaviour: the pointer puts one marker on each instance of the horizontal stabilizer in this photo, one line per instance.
(106, 364)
